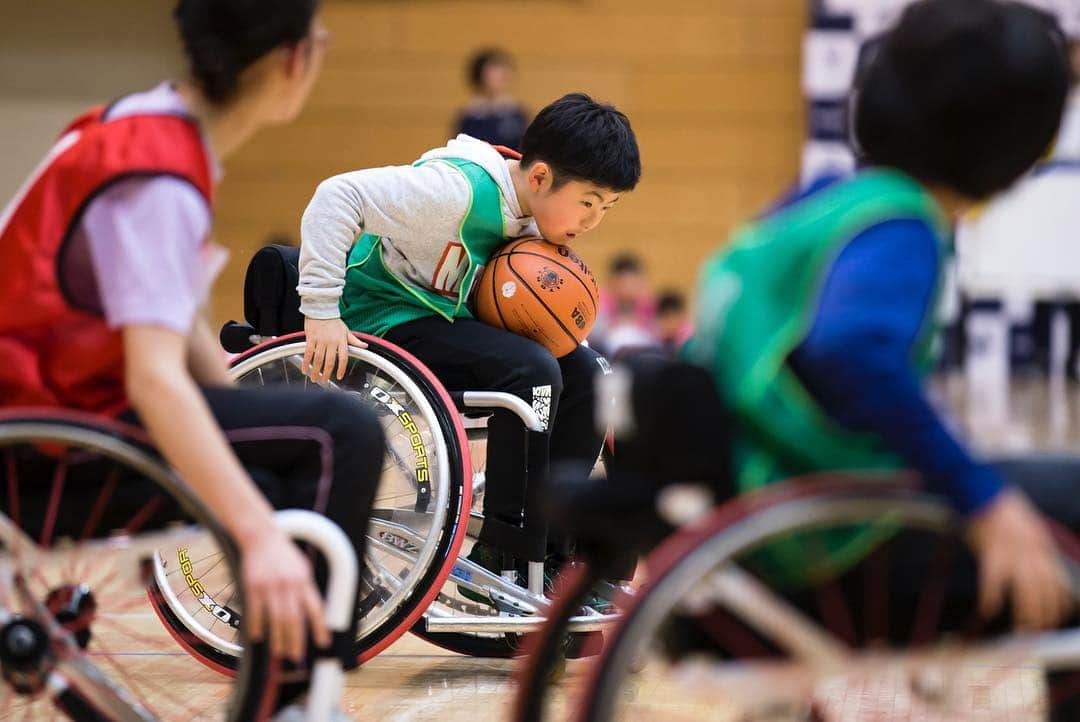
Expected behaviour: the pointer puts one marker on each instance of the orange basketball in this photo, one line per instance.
(541, 291)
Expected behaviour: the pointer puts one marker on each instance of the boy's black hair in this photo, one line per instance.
(625, 263)
(586, 141)
(967, 94)
(222, 38)
(481, 60)
(670, 301)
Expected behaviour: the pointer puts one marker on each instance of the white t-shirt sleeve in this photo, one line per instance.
(147, 245)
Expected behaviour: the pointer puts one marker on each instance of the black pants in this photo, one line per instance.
(314, 450)
(471, 356)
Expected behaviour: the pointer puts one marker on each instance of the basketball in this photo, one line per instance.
(541, 291)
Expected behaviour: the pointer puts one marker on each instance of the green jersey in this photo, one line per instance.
(757, 300)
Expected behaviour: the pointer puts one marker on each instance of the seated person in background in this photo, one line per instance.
(394, 252)
(492, 114)
(669, 332)
(627, 314)
(815, 321)
(673, 326)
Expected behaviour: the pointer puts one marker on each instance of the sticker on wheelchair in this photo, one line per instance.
(197, 598)
(417, 507)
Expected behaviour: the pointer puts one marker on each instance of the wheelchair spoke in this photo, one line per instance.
(758, 607)
(143, 640)
(143, 515)
(390, 498)
(932, 599)
(834, 609)
(198, 562)
(54, 504)
(105, 695)
(876, 597)
(12, 488)
(110, 659)
(98, 509)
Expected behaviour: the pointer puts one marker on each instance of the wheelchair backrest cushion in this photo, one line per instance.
(271, 303)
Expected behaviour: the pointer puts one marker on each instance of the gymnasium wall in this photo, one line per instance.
(711, 86)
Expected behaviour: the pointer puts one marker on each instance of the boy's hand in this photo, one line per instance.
(328, 342)
(1018, 558)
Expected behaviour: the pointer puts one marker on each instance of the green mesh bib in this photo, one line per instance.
(757, 299)
(375, 299)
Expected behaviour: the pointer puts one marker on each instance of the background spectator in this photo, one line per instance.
(492, 113)
(673, 325)
(627, 314)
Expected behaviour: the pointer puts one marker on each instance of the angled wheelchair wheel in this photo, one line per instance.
(421, 507)
(724, 628)
(543, 661)
(85, 505)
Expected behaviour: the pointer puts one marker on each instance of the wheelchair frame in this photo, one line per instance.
(96, 694)
(519, 609)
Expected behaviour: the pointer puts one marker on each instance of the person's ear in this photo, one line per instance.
(295, 59)
(539, 176)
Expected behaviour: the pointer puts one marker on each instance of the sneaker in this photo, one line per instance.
(298, 713)
(600, 604)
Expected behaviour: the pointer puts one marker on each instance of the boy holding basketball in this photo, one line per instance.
(394, 252)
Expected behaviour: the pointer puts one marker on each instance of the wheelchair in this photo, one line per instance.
(427, 507)
(722, 630)
(98, 541)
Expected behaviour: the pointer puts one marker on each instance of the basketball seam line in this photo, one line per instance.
(561, 265)
(495, 292)
(546, 307)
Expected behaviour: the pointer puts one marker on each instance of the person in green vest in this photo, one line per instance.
(395, 251)
(816, 321)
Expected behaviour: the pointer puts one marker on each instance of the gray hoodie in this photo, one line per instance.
(417, 210)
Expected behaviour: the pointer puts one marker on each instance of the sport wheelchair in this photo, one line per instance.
(427, 505)
(721, 631)
(97, 536)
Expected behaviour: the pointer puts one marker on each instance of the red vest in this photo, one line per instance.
(52, 353)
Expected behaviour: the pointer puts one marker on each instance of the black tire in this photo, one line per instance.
(504, 646)
(543, 652)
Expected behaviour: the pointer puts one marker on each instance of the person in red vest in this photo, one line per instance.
(107, 258)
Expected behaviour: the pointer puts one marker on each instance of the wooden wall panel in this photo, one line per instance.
(711, 86)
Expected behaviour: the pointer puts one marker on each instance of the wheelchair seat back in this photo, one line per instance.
(271, 303)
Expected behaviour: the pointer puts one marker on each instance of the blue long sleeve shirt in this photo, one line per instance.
(856, 359)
